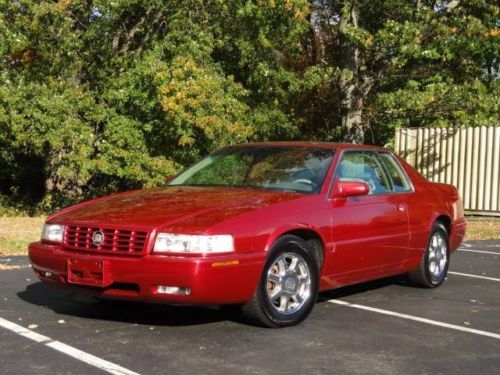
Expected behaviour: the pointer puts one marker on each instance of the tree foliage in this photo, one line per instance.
(98, 96)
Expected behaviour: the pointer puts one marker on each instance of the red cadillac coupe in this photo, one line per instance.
(264, 226)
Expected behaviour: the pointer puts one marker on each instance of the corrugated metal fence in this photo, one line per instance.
(467, 158)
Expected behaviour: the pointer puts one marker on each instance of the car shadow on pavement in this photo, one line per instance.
(82, 306)
(74, 304)
(346, 291)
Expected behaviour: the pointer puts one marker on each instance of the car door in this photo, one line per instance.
(370, 232)
(403, 195)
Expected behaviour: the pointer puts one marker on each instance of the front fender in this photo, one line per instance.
(285, 229)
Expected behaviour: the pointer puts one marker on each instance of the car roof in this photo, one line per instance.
(331, 145)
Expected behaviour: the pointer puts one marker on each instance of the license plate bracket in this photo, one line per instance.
(88, 272)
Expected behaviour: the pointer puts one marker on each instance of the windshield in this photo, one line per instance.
(300, 169)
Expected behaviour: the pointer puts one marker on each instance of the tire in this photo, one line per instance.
(434, 264)
(288, 286)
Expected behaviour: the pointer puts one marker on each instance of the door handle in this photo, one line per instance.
(400, 207)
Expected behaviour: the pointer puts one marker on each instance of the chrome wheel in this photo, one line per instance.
(438, 256)
(288, 283)
(433, 267)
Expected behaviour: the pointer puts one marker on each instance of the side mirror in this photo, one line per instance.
(344, 189)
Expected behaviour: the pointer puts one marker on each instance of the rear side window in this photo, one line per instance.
(364, 166)
(399, 180)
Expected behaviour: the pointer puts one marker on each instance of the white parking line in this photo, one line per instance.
(80, 355)
(417, 319)
(20, 330)
(474, 276)
(480, 251)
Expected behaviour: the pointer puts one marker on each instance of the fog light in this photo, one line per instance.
(47, 274)
(162, 289)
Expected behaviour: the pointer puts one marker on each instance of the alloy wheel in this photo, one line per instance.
(438, 256)
(288, 283)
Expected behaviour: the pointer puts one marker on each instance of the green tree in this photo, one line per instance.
(386, 55)
(98, 96)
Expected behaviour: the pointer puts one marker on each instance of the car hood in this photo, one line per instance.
(159, 207)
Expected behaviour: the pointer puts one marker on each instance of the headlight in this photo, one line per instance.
(53, 232)
(182, 243)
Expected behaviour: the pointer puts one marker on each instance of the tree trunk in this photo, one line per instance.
(352, 124)
(317, 42)
(61, 187)
(350, 82)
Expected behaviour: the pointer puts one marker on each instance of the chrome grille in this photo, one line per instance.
(116, 241)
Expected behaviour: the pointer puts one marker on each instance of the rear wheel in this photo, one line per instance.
(434, 265)
(288, 286)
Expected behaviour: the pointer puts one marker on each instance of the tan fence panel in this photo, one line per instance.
(467, 158)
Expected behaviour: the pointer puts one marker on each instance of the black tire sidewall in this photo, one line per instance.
(289, 245)
(430, 278)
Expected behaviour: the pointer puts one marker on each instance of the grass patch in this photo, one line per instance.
(483, 230)
(17, 232)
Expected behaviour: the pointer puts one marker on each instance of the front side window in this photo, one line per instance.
(300, 169)
(364, 166)
(399, 180)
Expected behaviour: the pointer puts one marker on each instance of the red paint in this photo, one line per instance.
(364, 236)
(345, 189)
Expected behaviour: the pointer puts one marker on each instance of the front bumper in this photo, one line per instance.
(223, 279)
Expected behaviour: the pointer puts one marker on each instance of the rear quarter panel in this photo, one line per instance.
(430, 201)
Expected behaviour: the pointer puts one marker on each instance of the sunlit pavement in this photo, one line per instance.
(147, 339)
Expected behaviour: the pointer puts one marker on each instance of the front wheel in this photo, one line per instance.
(434, 265)
(288, 287)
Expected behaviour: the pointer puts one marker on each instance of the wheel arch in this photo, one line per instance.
(309, 234)
(445, 220)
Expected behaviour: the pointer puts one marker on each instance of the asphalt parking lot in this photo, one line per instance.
(382, 327)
